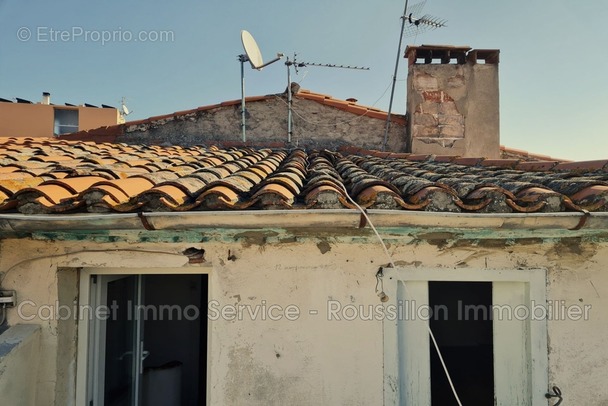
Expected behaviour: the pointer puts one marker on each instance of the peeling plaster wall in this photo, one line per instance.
(454, 109)
(314, 360)
(19, 352)
(314, 126)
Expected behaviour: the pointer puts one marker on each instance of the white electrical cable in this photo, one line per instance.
(4, 274)
(390, 260)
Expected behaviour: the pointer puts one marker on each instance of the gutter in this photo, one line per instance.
(299, 219)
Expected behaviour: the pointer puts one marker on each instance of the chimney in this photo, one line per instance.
(452, 101)
(46, 98)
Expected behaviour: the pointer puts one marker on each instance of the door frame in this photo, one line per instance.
(407, 368)
(87, 337)
(97, 354)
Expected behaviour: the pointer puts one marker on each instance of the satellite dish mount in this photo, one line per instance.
(253, 55)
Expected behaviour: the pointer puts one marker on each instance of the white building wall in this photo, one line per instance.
(314, 360)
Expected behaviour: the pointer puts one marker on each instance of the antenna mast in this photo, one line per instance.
(289, 63)
(416, 24)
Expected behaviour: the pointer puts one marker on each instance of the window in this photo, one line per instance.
(490, 327)
(66, 121)
(142, 337)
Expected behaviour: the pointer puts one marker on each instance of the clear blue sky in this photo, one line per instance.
(553, 70)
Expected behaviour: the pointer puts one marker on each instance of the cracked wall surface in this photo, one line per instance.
(453, 109)
(317, 358)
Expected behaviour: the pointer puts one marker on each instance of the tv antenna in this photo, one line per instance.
(289, 63)
(253, 55)
(411, 25)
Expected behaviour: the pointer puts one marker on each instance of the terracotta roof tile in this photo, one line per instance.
(536, 165)
(582, 166)
(56, 176)
(507, 152)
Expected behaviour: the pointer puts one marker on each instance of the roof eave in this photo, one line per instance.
(300, 219)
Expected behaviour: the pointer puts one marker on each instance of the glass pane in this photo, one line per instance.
(66, 121)
(120, 342)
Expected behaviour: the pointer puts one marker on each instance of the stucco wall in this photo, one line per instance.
(19, 354)
(314, 360)
(37, 120)
(314, 126)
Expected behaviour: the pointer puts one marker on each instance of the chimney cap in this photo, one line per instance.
(446, 53)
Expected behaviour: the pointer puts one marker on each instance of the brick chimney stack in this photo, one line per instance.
(452, 101)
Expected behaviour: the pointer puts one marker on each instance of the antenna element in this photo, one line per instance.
(410, 26)
(289, 63)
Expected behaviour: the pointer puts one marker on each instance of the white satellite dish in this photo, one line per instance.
(254, 56)
(123, 108)
(252, 50)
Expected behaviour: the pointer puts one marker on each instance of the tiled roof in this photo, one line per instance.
(57, 176)
(111, 133)
(514, 153)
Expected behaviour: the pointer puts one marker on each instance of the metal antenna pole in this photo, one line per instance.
(297, 65)
(390, 105)
(243, 59)
(289, 100)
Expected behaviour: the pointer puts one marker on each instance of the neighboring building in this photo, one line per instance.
(319, 121)
(304, 304)
(26, 119)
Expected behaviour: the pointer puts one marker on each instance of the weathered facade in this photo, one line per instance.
(453, 103)
(153, 267)
(332, 348)
(270, 274)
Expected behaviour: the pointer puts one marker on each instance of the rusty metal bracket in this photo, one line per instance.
(362, 219)
(582, 221)
(145, 222)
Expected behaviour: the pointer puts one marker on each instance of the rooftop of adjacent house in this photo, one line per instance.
(112, 133)
(19, 100)
(61, 176)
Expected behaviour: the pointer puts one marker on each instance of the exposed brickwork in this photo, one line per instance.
(452, 105)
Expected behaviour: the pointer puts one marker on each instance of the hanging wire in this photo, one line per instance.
(390, 260)
(68, 254)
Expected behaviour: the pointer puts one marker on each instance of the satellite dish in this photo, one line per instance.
(123, 108)
(254, 56)
(252, 50)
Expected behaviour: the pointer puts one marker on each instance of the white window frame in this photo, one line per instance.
(520, 346)
(85, 344)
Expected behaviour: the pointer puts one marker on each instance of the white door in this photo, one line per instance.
(519, 338)
(117, 351)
